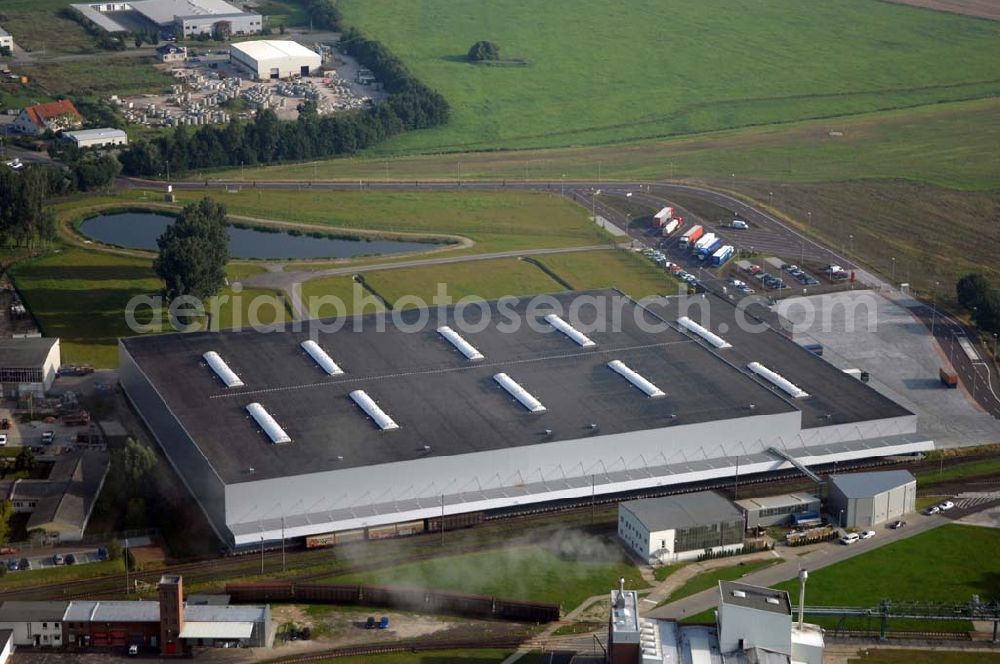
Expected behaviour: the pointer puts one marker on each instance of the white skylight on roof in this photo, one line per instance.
(367, 404)
(463, 346)
(703, 332)
(222, 370)
(570, 331)
(777, 379)
(519, 393)
(267, 423)
(631, 376)
(321, 358)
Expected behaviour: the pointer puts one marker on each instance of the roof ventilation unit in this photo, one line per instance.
(703, 332)
(222, 370)
(267, 423)
(463, 346)
(325, 362)
(740, 594)
(570, 331)
(648, 388)
(777, 379)
(519, 393)
(371, 408)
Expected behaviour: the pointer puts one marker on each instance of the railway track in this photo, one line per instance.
(421, 645)
(495, 527)
(900, 635)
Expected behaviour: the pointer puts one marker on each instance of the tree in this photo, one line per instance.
(484, 50)
(194, 251)
(6, 510)
(971, 289)
(25, 459)
(986, 314)
(114, 549)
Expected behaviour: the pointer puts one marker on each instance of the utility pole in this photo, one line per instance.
(262, 549)
(592, 492)
(934, 308)
(282, 543)
(442, 519)
(736, 484)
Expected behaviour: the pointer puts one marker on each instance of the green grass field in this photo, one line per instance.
(488, 280)
(911, 570)
(81, 295)
(495, 221)
(601, 72)
(931, 475)
(711, 578)
(36, 26)
(122, 75)
(631, 273)
(528, 572)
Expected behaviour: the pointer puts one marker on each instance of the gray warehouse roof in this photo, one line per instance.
(438, 397)
(862, 485)
(25, 353)
(771, 502)
(754, 597)
(32, 611)
(683, 510)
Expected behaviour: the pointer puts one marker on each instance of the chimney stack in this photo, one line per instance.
(803, 575)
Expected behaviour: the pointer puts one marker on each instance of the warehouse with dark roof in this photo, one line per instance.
(450, 412)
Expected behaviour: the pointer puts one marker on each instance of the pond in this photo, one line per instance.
(139, 230)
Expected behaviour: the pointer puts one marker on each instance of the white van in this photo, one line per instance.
(850, 538)
(742, 225)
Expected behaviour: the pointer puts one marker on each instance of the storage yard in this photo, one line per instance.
(211, 90)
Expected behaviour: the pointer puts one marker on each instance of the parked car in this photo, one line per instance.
(946, 505)
(12, 565)
(48, 437)
(383, 622)
(850, 538)
(24, 564)
(933, 509)
(868, 534)
(897, 525)
(370, 623)
(3, 439)
(57, 559)
(133, 650)
(70, 559)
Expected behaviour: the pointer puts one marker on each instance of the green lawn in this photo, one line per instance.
(80, 295)
(661, 573)
(945, 144)
(110, 74)
(496, 221)
(931, 474)
(605, 71)
(632, 273)
(711, 578)
(527, 572)
(488, 280)
(37, 26)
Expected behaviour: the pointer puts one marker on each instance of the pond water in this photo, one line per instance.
(139, 230)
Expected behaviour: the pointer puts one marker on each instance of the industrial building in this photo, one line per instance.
(61, 504)
(96, 138)
(753, 625)
(431, 418)
(6, 41)
(864, 500)
(767, 511)
(168, 626)
(680, 527)
(183, 18)
(53, 116)
(28, 365)
(269, 58)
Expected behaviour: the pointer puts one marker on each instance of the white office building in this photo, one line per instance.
(96, 138)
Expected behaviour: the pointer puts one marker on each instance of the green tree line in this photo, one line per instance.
(982, 300)
(266, 140)
(24, 219)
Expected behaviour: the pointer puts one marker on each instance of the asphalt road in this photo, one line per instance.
(767, 233)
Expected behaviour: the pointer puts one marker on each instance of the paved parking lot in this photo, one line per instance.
(900, 355)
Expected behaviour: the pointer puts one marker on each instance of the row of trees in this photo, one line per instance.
(266, 140)
(323, 14)
(981, 299)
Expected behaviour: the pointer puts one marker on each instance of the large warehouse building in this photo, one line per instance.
(367, 428)
(267, 58)
(28, 366)
(183, 18)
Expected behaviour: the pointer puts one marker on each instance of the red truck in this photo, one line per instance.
(692, 235)
(948, 378)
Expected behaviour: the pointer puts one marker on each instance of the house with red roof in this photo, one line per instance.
(55, 115)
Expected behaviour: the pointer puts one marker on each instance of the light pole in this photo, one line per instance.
(809, 219)
(628, 220)
(994, 345)
(770, 199)
(841, 519)
(562, 185)
(851, 238)
(893, 278)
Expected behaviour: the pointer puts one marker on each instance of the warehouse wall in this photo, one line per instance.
(189, 462)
